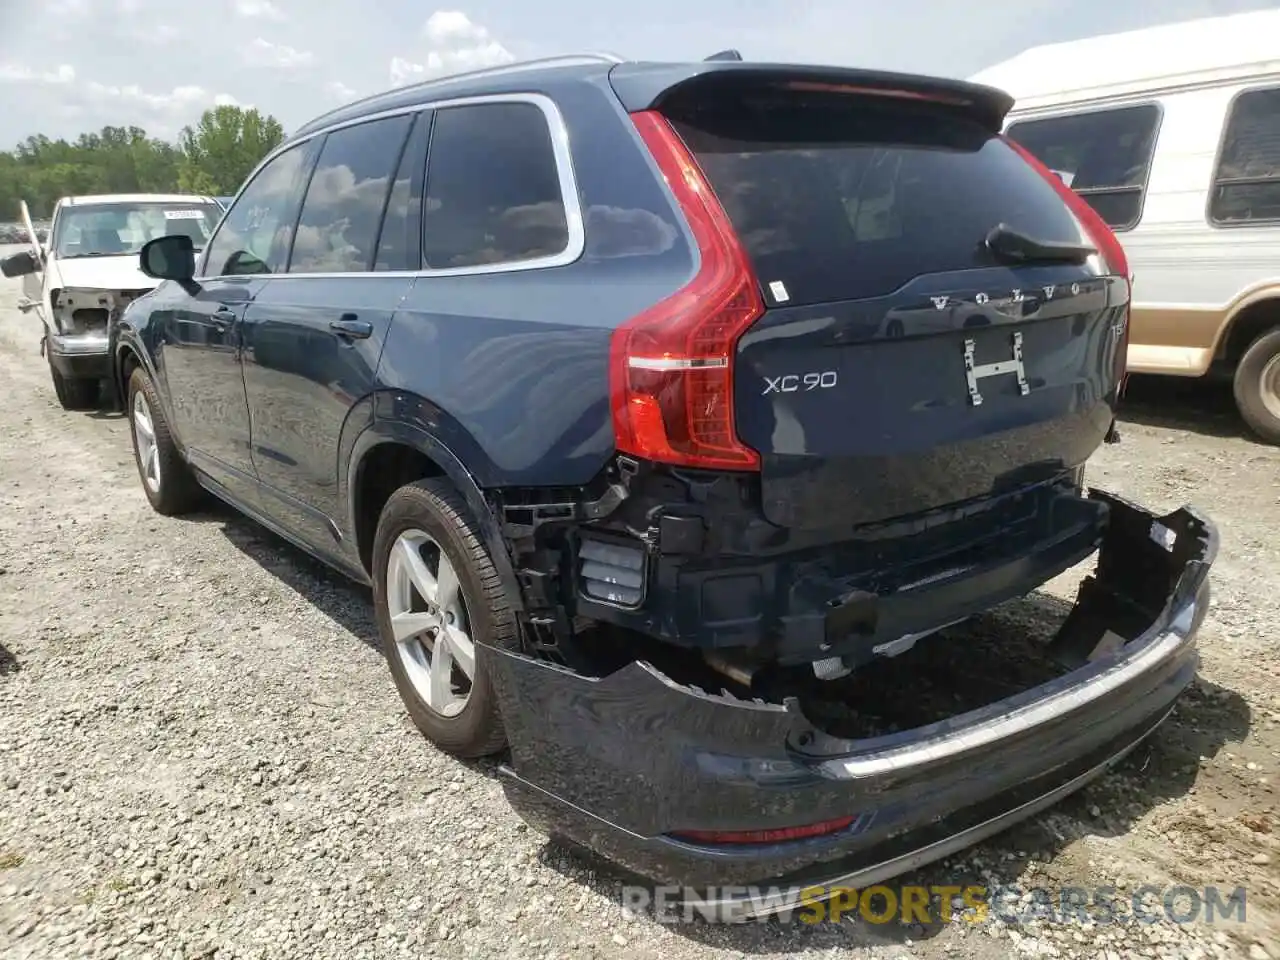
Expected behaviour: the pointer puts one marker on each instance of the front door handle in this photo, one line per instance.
(349, 328)
(223, 317)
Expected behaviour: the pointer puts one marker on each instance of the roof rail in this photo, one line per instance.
(564, 60)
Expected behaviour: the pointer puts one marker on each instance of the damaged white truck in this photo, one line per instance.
(80, 280)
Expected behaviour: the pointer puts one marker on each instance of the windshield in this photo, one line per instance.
(120, 229)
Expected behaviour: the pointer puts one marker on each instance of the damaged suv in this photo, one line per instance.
(81, 276)
(658, 402)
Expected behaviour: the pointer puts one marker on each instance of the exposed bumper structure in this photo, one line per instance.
(623, 763)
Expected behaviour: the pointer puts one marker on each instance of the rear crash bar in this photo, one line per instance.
(626, 763)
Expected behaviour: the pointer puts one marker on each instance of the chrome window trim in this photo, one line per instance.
(559, 133)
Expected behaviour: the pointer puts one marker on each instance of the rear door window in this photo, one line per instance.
(1104, 155)
(338, 227)
(1246, 185)
(843, 198)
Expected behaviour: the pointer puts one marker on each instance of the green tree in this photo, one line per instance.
(220, 151)
(212, 158)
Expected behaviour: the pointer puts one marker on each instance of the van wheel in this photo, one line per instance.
(438, 598)
(74, 394)
(1257, 386)
(168, 482)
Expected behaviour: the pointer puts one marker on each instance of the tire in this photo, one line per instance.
(1257, 386)
(434, 510)
(175, 490)
(74, 394)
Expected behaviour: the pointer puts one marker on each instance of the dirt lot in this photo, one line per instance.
(202, 754)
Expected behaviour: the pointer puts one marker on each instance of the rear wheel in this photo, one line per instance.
(168, 482)
(438, 598)
(74, 393)
(1257, 386)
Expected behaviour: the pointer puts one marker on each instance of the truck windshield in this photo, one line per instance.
(120, 229)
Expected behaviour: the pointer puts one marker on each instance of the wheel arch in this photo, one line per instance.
(388, 454)
(1251, 316)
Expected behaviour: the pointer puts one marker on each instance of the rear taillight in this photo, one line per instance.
(1114, 260)
(671, 367)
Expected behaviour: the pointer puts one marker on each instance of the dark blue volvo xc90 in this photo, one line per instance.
(656, 402)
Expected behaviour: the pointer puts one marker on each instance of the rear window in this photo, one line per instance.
(842, 197)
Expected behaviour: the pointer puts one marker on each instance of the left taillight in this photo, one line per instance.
(671, 367)
(1114, 259)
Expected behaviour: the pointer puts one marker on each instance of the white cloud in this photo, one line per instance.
(455, 44)
(19, 73)
(259, 10)
(264, 53)
(339, 91)
(179, 98)
(155, 34)
(69, 9)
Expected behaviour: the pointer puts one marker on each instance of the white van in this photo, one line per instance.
(1173, 135)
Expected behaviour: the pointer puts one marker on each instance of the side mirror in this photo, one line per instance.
(170, 257)
(20, 264)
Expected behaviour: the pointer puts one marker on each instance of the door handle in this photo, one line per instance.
(223, 317)
(349, 328)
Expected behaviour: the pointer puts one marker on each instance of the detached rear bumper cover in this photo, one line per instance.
(619, 763)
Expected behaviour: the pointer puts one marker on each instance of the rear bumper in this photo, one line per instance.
(81, 357)
(620, 763)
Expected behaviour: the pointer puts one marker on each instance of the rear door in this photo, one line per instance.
(314, 334)
(901, 365)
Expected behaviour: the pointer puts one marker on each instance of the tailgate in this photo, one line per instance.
(901, 365)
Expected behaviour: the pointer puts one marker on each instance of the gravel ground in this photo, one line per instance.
(202, 753)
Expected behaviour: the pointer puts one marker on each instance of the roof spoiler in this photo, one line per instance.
(651, 86)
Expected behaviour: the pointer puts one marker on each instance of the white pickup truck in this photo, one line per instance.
(80, 280)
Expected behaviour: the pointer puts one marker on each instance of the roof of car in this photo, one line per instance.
(1141, 60)
(645, 82)
(109, 198)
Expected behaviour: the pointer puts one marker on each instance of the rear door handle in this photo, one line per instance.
(349, 328)
(223, 317)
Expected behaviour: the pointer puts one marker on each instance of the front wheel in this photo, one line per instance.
(74, 393)
(168, 482)
(1257, 386)
(438, 599)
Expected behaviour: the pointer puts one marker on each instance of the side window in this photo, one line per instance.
(1246, 185)
(338, 227)
(255, 233)
(493, 188)
(400, 243)
(1104, 155)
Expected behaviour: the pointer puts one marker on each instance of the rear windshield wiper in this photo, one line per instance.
(1010, 246)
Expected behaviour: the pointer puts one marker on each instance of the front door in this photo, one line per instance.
(314, 335)
(198, 350)
(200, 335)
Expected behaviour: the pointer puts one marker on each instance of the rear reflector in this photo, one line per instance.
(1114, 259)
(671, 367)
(778, 835)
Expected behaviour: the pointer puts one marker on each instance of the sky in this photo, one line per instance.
(71, 66)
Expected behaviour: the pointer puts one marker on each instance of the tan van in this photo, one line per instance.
(1173, 135)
